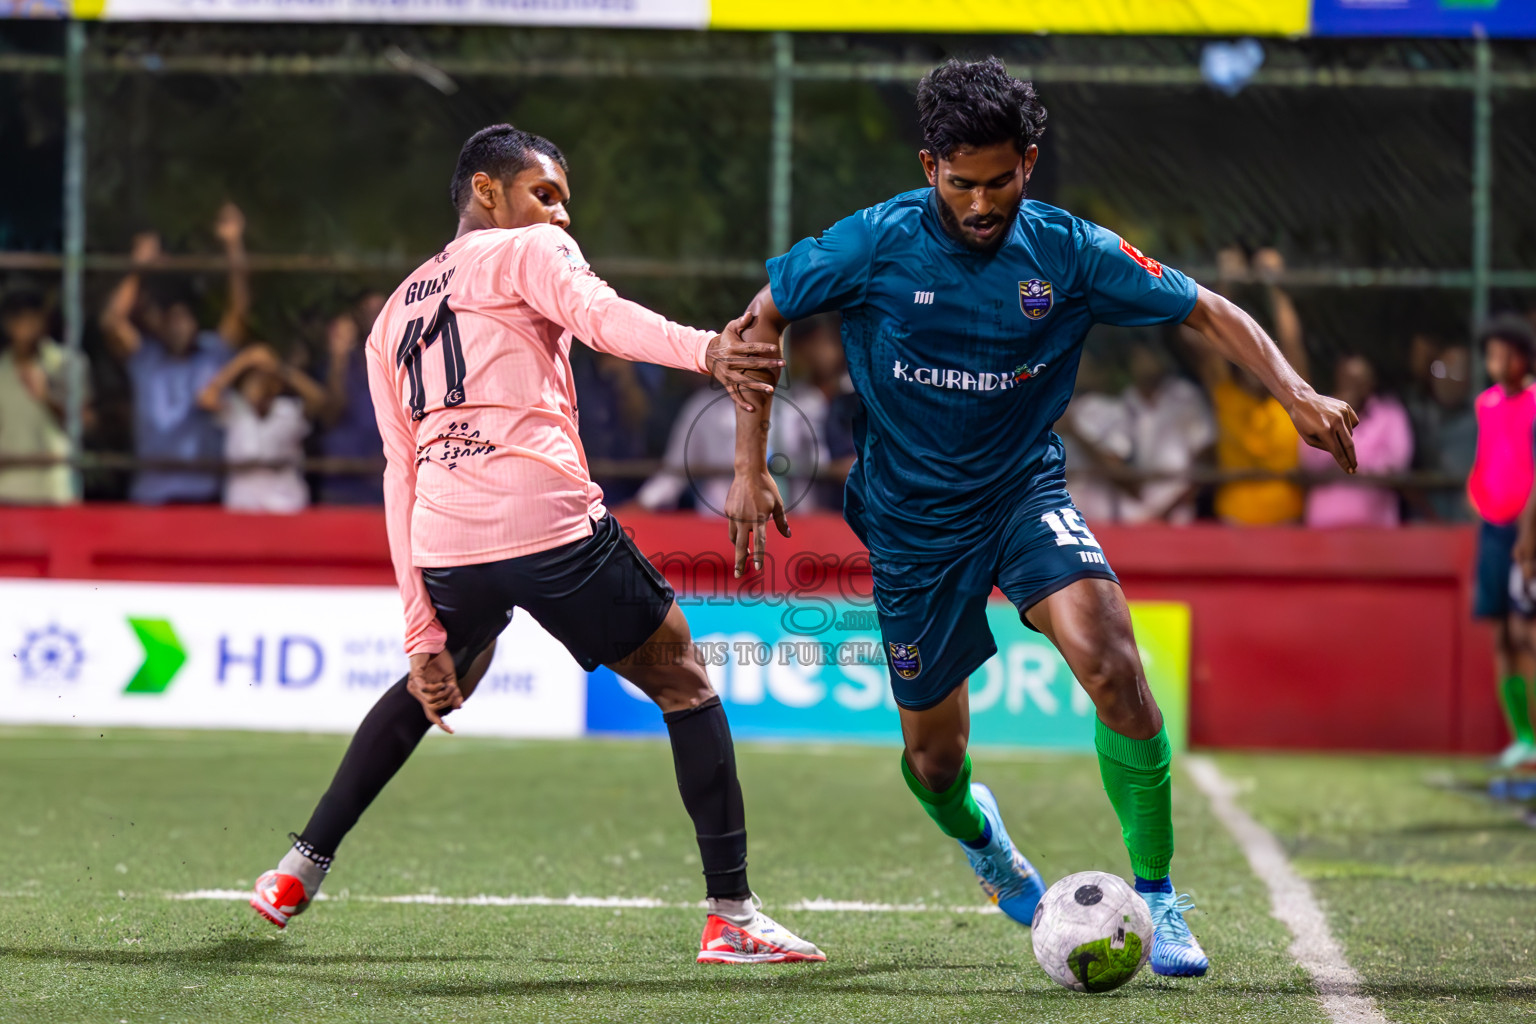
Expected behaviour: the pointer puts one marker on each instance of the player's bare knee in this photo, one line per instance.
(1113, 681)
(936, 766)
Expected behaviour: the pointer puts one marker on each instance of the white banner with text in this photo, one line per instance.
(306, 659)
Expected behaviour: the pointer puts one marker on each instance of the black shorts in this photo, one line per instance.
(1498, 588)
(598, 596)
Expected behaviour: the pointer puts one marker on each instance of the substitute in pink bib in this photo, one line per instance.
(1505, 466)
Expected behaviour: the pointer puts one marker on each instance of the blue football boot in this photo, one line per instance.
(1175, 953)
(1006, 877)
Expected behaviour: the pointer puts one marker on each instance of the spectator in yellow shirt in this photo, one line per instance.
(1253, 431)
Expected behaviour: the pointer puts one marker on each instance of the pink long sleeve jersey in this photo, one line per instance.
(469, 369)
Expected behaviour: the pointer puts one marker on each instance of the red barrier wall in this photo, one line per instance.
(1347, 639)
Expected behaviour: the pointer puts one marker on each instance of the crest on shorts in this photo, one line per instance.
(1035, 298)
(905, 660)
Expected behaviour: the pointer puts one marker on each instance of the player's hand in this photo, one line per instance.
(752, 500)
(1327, 423)
(730, 355)
(435, 683)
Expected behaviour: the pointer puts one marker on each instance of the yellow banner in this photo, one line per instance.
(1088, 17)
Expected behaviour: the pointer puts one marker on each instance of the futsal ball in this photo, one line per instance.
(1092, 932)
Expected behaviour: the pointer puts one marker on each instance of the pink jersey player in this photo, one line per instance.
(469, 366)
(491, 510)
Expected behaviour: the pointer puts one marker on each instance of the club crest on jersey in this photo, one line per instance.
(1035, 298)
(1147, 263)
(905, 660)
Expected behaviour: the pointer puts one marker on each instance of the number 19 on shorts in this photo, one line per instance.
(1071, 531)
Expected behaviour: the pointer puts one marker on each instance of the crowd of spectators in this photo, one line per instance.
(213, 413)
(1161, 429)
(1187, 415)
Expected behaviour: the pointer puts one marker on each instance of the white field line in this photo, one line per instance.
(1291, 903)
(605, 902)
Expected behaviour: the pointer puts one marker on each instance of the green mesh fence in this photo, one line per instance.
(695, 155)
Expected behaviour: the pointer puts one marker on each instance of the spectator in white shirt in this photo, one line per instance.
(1096, 436)
(699, 456)
(1169, 428)
(262, 424)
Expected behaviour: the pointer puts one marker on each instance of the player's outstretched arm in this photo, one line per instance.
(550, 273)
(754, 496)
(1322, 422)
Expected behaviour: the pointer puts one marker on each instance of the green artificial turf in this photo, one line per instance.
(99, 829)
(1429, 885)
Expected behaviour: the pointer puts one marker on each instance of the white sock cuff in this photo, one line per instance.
(738, 912)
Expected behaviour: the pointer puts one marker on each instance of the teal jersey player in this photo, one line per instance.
(964, 310)
(963, 359)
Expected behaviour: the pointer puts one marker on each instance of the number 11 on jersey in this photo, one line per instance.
(419, 336)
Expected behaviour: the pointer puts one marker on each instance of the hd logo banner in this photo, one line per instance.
(305, 659)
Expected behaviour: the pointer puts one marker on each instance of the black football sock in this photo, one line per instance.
(705, 760)
(382, 744)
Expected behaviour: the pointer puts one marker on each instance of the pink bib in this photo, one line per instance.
(1505, 466)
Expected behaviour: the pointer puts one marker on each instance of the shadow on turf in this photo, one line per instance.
(1452, 828)
(1513, 992)
(235, 952)
(821, 978)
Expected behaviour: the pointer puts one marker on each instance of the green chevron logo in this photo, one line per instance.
(163, 656)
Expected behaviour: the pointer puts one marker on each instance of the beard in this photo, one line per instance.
(955, 228)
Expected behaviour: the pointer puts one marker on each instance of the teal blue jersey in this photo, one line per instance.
(963, 359)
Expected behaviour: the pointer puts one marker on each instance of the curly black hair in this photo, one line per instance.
(501, 151)
(977, 103)
(1513, 330)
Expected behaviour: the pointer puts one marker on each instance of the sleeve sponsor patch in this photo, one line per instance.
(575, 262)
(1147, 263)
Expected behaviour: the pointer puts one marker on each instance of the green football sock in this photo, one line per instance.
(954, 810)
(1512, 694)
(1140, 788)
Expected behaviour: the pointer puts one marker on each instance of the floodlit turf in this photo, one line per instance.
(1430, 886)
(98, 829)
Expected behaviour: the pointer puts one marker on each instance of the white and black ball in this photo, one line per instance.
(1092, 932)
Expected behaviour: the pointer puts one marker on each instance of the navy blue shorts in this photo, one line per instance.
(933, 615)
(598, 596)
(1491, 587)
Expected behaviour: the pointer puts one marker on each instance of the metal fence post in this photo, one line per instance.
(1482, 189)
(780, 182)
(74, 240)
(781, 167)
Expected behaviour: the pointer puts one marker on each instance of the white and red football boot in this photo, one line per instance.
(278, 897)
(738, 932)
